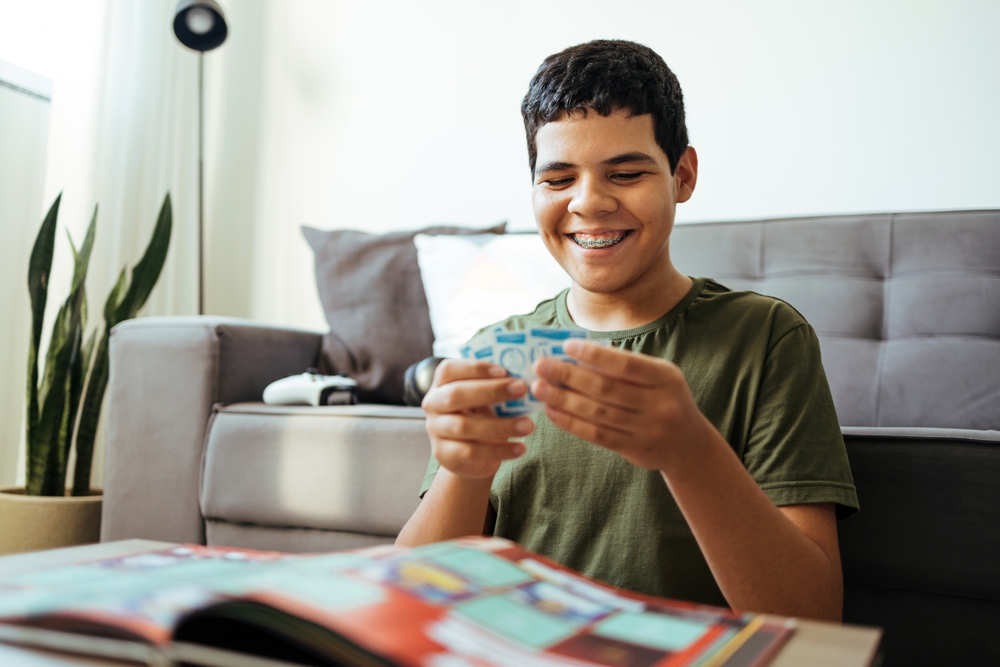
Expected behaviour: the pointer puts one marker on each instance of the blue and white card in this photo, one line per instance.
(516, 352)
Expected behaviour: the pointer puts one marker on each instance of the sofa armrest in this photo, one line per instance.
(166, 374)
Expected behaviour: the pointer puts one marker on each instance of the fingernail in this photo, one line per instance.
(497, 372)
(540, 389)
(523, 426)
(517, 449)
(515, 387)
(572, 346)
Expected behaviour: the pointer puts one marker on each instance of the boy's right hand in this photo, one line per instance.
(466, 436)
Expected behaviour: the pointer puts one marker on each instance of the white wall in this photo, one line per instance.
(403, 113)
(389, 115)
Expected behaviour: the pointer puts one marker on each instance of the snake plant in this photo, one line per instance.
(66, 406)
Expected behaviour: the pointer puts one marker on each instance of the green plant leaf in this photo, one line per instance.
(39, 267)
(78, 367)
(147, 271)
(81, 259)
(44, 462)
(114, 299)
(72, 314)
(63, 372)
(90, 414)
(78, 377)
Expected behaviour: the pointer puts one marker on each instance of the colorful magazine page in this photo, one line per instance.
(481, 602)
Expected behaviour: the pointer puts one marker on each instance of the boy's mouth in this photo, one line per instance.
(602, 240)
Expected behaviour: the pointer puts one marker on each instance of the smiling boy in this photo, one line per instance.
(708, 467)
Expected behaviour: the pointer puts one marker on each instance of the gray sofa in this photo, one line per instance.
(907, 307)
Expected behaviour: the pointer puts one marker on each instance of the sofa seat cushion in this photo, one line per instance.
(342, 468)
(290, 540)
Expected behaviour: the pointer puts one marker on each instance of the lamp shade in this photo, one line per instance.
(200, 24)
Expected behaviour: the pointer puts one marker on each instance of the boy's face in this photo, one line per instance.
(604, 198)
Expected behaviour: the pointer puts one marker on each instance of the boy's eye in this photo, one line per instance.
(557, 182)
(627, 175)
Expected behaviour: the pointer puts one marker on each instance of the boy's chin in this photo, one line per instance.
(599, 284)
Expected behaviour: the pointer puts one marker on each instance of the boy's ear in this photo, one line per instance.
(686, 174)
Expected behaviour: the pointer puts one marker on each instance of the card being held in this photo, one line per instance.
(516, 352)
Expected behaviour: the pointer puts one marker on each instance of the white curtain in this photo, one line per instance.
(124, 133)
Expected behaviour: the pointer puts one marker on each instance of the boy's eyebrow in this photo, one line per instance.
(553, 166)
(635, 157)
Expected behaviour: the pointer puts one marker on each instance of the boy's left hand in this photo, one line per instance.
(636, 405)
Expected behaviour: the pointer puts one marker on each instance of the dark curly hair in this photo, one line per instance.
(603, 76)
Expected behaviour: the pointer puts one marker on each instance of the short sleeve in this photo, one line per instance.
(795, 450)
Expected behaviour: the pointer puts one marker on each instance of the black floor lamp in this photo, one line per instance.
(200, 25)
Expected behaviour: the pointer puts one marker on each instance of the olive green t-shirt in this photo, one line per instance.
(753, 365)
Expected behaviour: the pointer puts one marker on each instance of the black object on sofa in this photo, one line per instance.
(907, 309)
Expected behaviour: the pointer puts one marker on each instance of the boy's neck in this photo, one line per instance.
(635, 305)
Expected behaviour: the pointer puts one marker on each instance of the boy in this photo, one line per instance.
(710, 467)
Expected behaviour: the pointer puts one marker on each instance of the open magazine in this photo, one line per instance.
(476, 602)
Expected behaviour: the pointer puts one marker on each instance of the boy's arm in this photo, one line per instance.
(452, 507)
(469, 442)
(783, 560)
(764, 558)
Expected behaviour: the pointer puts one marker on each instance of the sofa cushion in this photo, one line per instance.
(474, 281)
(220, 533)
(920, 559)
(344, 468)
(924, 628)
(906, 306)
(931, 511)
(374, 302)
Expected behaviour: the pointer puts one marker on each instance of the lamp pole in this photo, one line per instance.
(201, 182)
(201, 26)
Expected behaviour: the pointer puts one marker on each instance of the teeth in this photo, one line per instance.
(588, 241)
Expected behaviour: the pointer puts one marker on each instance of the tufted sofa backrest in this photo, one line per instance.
(906, 305)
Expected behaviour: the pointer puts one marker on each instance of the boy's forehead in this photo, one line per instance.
(586, 132)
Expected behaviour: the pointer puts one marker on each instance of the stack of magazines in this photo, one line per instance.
(477, 602)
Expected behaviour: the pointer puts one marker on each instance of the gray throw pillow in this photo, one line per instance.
(374, 302)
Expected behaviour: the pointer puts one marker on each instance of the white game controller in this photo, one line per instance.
(311, 388)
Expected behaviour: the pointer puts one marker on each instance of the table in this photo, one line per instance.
(814, 643)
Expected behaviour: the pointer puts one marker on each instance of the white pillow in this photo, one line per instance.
(473, 281)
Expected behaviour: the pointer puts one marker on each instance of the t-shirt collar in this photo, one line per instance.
(562, 315)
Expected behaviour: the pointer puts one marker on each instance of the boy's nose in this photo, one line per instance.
(591, 198)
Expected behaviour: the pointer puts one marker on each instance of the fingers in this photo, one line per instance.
(477, 428)
(458, 396)
(585, 407)
(466, 437)
(475, 460)
(598, 434)
(612, 390)
(635, 368)
(451, 370)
